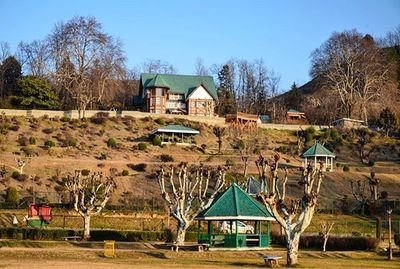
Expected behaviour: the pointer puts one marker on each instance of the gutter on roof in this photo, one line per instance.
(235, 218)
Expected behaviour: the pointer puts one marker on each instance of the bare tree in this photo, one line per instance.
(247, 145)
(153, 66)
(293, 215)
(4, 51)
(364, 196)
(182, 187)
(34, 57)
(90, 195)
(200, 68)
(219, 132)
(354, 67)
(21, 162)
(84, 58)
(324, 227)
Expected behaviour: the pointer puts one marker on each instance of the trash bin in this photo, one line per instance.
(109, 248)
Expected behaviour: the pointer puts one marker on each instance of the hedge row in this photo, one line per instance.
(334, 242)
(96, 235)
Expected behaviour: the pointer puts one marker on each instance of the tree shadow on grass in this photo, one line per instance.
(158, 255)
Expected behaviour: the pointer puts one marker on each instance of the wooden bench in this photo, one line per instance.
(75, 238)
(200, 247)
(271, 261)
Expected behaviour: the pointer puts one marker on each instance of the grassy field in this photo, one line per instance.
(61, 254)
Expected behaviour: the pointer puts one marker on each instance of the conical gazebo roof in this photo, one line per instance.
(317, 150)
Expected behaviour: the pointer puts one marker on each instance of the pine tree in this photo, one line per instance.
(226, 102)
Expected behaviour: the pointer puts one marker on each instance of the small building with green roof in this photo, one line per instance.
(176, 134)
(319, 153)
(235, 220)
(178, 94)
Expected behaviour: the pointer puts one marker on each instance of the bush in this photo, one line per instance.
(103, 156)
(125, 173)
(23, 177)
(85, 172)
(160, 121)
(282, 149)
(28, 151)
(72, 142)
(23, 141)
(337, 243)
(12, 196)
(32, 140)
(141, 167)
(371, 163)
(15, 175)
(165, 158)
(48, 130)
(157, 141)
(99, 118)
(397, 239)
(346, 168)
(142, 146)
(49, 144)
(65, 119)
(111, 142)
(308, 137)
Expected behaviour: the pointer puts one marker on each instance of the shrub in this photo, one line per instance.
(308, 137)
(371, 163)
(125, 173)
(230, 163)
(23, 177)
(141, 167)
(48, 130)
(282, 149)
(165, 158)
(22, 141)
(397, 239)
(85, 172)
(28, 151)
(103, 156)
(111, 142)
(65, 119)
(160, 121)
(346, 168)
(49, 144)
(72, 142)
(157, 140)
(100, 118)
(32, 140)
(12, 196)
(142, 146)
(14, 128)
(15, 174)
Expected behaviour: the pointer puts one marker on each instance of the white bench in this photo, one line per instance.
(75, 238)
(200, 247)
(271, 261)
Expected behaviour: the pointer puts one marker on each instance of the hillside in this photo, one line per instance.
(83, 145)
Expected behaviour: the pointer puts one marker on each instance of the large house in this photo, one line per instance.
(178, 94)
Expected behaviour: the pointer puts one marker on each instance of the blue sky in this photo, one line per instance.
(283, 33)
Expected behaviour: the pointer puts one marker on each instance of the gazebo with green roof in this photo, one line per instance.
(176, 134)
(317, 153)
(235, 220)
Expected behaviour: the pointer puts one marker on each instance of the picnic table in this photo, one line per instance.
(271, 260)
(200, 247)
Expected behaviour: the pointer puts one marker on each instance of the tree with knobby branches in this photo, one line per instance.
(366, 192)
(188, 191)
(90, 195)
(219, 132)
(293, 215)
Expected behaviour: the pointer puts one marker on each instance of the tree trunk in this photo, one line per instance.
(292, 249)
(181, 233)
(86, 227)
(246, 166)
(326, 237)
(219, 146)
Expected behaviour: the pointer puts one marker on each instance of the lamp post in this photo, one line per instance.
(390, 253)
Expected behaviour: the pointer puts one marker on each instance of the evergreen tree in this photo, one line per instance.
(35, 92)
(387, 120)
(11, 73)
(226, 102)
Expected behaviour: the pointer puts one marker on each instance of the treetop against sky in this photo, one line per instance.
(283, 33)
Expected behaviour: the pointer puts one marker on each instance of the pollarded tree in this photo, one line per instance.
(90, 195)
(293, 215)
(219, 132)
(188, 191)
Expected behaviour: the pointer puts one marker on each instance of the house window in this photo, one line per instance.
(158, 100)
(200, 104)
(159, 91)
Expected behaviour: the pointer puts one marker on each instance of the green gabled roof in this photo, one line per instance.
(233, 204)
(182, 84)
(294, 111)
(176, 129)
(318, 150)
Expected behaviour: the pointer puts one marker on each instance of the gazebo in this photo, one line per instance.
(317, 153)
(176, 134)
(235, 220)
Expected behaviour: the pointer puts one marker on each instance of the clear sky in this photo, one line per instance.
(283, 33)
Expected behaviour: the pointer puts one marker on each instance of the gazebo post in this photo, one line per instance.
(198, 231)
(236, 233)
(315, 162)
(331, 164)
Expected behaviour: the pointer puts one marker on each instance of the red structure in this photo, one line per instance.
(41, 211)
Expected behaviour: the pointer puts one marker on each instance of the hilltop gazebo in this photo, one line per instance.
(235, 220)
(176, 134)
(319, 153)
